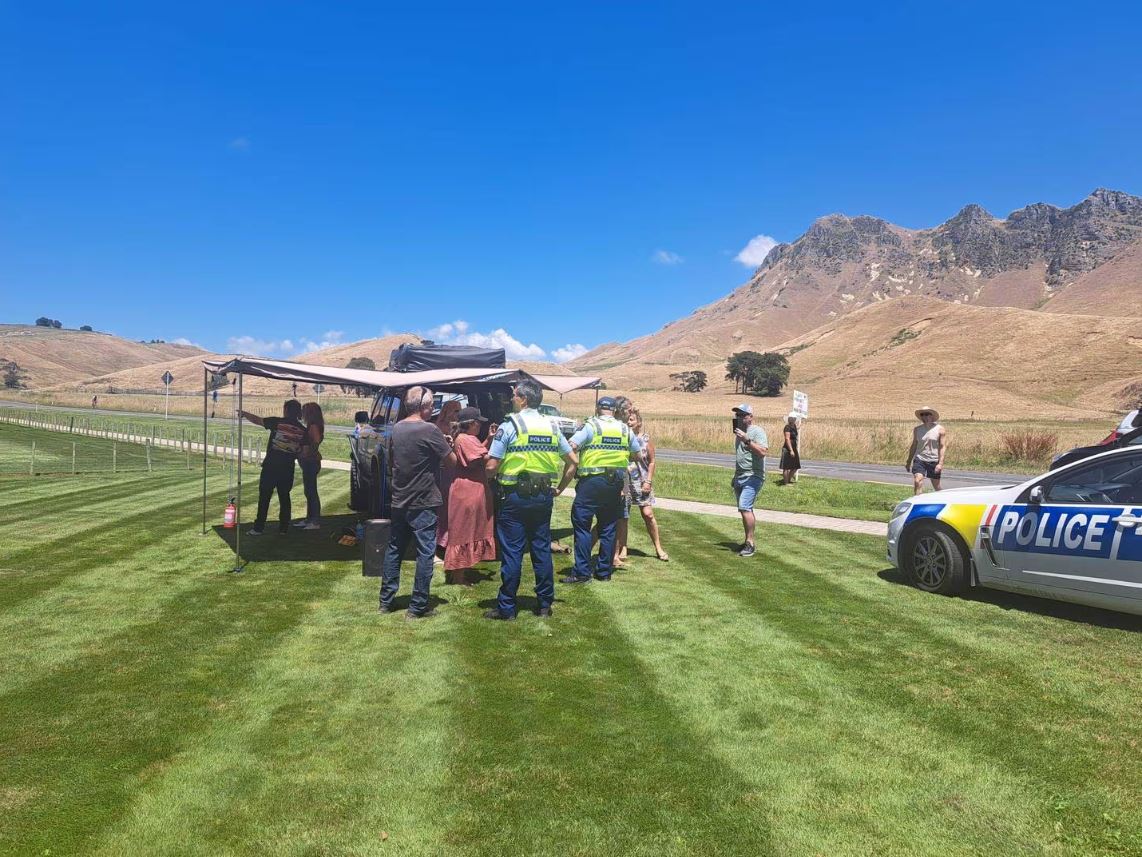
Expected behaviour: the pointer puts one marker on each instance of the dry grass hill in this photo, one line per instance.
(1038, 313)
(50, 356)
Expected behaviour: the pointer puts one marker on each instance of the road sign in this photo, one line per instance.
(801, 403)
(319, 388)
(167, 378)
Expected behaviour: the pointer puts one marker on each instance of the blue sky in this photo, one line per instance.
(276, 176)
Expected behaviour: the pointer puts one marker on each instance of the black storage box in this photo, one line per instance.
(418, 358)
(375, 544)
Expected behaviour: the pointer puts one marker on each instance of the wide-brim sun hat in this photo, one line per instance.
(921, 411)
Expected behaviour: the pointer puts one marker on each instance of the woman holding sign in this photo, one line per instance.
(790, 449)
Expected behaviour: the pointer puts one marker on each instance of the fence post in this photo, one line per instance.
(114, 456)
(32, 469)
(73, 458)
(147, 446)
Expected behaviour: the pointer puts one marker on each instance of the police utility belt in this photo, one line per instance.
(528, 485)
(613, 475)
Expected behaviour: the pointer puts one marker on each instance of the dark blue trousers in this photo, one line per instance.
(524, 523)
(409, 525)
(595, 499)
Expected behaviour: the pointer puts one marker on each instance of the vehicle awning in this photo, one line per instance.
(309, 373)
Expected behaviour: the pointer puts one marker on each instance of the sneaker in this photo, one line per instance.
(386, 608)
(606, 579)
(303, 522)
(747, 550)
(411, 617)
(312, 525)
(495, 613)
(255, 532)
(543, 612)
(573, 579)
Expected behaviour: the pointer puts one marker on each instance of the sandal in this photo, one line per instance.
(664, 556)
(557, 547)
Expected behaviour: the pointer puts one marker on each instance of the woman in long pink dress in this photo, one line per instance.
(471, 525)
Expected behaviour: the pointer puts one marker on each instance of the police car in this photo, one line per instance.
(1072, 534)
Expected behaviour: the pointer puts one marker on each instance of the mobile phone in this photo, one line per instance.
(736, 423)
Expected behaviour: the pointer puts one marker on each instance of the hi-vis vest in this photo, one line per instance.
(535, 449)
(609, 449)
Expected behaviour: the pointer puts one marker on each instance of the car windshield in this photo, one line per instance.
(549, 410)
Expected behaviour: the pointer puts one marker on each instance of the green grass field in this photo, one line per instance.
(868, 501)
(801, 702)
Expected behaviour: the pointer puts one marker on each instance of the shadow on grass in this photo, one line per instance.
(297, 545)
(1040, 606)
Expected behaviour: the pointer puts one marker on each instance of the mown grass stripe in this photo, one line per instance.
(138, 586)
(349, 712)
(567, 746)
(1032, 727)
(73, 508)
(836, 771)
(136, 702)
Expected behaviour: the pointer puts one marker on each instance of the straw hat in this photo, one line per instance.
(921, 411)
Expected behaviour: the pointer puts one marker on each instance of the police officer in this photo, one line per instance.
(605, 446)
(528, 455)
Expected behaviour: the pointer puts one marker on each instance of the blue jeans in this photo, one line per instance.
(524, 523)
(408, 524)
(309, 471)
(595, 498)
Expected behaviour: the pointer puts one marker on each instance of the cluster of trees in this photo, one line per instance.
(44, 321)
(693, 381)
(360, 363)
(12, 375)
(761, 374)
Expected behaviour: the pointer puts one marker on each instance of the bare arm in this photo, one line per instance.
(492, 466)
(943, 449)
(254, 418)
(911, 453)
(570, 462)
(650, 462)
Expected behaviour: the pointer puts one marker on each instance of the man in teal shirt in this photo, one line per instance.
(750, 447)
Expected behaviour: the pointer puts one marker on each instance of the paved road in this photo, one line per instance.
(892, 473)
(846, 470)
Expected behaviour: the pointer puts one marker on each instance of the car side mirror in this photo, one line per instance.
(1036, 495)
(361, 417)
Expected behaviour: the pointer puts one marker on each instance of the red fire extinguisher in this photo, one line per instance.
(230, 516)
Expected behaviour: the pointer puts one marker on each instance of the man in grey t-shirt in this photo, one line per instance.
(415, 452)
(750, 447)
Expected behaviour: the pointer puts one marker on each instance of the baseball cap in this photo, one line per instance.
(744, 408)
(468, 414)
(607, 402)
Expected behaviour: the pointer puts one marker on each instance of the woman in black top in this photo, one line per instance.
(790, 450)
(286, 435)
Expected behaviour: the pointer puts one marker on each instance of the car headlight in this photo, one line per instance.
(902, 509)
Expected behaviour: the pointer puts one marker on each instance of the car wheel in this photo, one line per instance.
(934, 562)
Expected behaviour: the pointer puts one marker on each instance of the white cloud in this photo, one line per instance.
(239, 144)
(568, 352)
(666, 257)
(460, 333)
(754, 253)
(182, 340)
(283, 347)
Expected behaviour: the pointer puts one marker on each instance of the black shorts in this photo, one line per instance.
(926, 468)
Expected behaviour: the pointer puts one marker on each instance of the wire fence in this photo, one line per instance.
(39, 444)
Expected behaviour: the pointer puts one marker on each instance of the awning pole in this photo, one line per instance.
(238, 504)
(205, 384)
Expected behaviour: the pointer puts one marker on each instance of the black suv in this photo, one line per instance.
(368, 483)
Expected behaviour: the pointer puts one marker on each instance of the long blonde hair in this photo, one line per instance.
(632, 410)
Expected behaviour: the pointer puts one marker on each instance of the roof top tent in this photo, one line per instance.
(364, 381)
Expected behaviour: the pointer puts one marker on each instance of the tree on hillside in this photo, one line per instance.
(13, 376)
(762, 374)
(44, 321)
(361, 363)
(86, 328)
(693, 381)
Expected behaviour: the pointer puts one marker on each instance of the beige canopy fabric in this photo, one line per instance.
(308, 373)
